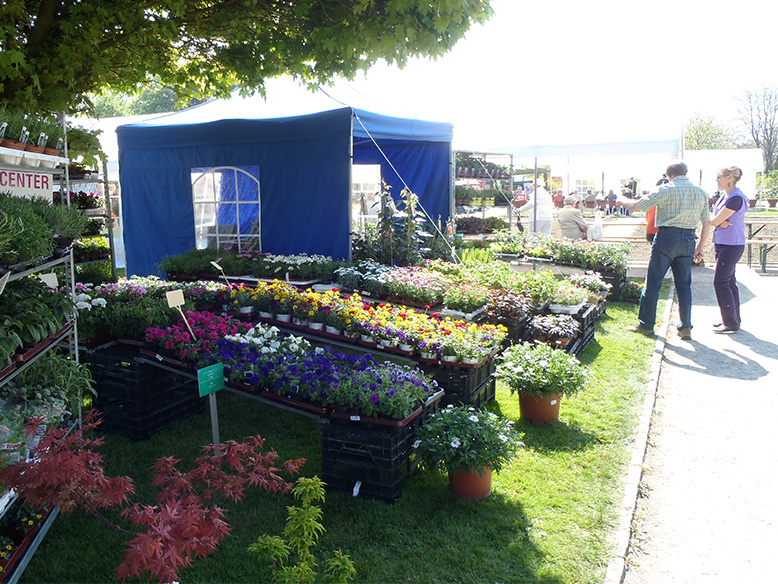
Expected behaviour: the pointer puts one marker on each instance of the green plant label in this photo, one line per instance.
(210, 379)
(175, 298)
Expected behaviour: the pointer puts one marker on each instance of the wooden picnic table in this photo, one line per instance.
(753, 227)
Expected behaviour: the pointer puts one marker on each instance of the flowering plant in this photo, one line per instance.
(539, 285)
(569, 295)
(208, 328)
(417, 284)
(386, 389)
(631, 290)
(465, 297)
(554, 327)
(590, 280)
(541, 370)
(6, 547)
(506, 304)
(463, 439)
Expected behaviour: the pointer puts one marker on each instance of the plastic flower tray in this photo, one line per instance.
(425, 410)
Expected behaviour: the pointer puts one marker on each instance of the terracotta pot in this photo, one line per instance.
(471, 485)
(542, 410)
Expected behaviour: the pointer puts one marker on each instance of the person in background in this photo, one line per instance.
(651, 224)
(540, 209)
(571, 220)
(681, 207)
(611, 202)
(632, 185)
(729, 241)
(559, 200)
(651, 213)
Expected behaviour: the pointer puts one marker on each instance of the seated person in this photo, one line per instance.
(571, 220)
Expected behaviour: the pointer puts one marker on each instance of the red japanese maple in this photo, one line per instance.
(66, 471)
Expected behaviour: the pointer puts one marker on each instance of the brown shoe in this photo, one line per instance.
(685, 334)
(643, 330)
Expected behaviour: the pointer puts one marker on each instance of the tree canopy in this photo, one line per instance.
(54, 52)
(759, 112)
(703, 133)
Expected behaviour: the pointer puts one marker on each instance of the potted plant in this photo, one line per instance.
(465, 297)
(469, 445)
(541, 375)
(555, 329)
(631, 291)
(568, 299)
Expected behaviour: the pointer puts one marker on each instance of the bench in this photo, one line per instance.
(765, 246)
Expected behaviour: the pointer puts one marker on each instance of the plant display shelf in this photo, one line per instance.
(14, 575)
(68, 332)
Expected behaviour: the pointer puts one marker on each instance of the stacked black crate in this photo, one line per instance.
(136, 399)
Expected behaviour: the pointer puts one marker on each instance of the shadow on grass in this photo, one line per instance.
(426, 536)
(557, 437)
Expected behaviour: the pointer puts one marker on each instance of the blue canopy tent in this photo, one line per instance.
(302, 165)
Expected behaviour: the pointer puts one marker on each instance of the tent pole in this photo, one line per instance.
(350, 185)
(535, 199)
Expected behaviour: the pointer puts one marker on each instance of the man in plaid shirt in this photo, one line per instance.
(681, 208)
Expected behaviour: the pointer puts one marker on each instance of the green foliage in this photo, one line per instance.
(52, 58)
(541, 370)
(35, 240)
(703, 133)
(463, 439)
(402, 236)
(303, 528)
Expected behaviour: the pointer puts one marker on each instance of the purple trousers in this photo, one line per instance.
(725, 285)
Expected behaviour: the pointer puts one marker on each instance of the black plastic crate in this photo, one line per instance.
(337, 480)
(375, 447)
(477, 397)
(588, 315)
(117, 365)
(460, 380)
(117, 421)
(577, 347)
(379, 458)
(140, 402)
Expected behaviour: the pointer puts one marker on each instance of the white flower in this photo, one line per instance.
(473, 418)
(99, 302)
(456, 443)
(83, 306)
(503, 437)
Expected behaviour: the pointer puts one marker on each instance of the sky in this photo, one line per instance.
(573, 72)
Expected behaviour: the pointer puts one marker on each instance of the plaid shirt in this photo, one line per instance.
(678, 204)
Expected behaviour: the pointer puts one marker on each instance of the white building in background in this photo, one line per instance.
(605, 167)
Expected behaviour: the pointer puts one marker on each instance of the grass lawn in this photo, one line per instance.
(549, 519)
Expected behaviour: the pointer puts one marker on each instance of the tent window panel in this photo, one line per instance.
(365, 195)
(227, 206)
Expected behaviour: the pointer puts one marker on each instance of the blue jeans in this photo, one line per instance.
(727, 294)
(672, 248)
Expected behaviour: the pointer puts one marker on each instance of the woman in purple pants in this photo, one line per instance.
(729, 241)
